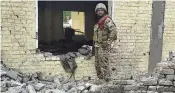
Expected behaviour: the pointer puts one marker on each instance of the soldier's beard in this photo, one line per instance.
(100, 16)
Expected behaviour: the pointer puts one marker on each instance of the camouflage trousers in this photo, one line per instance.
(102, 63)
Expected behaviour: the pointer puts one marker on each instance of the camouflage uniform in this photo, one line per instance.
(104, 34)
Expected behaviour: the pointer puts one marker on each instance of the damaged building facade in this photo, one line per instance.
(142, 41)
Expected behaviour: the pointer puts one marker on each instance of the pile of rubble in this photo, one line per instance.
(68, 60)
(162, 80)
(13, 81)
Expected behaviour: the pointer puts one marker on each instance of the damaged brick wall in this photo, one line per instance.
(133, 20)
(19, 39)
(169, 29)
(161, 81)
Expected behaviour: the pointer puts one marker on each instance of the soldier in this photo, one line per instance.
(104, 34)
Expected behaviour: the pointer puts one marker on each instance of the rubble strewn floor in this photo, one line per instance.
(16, 82)
(13, 81)
(162, 80)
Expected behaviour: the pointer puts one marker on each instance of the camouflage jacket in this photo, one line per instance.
(104, 32)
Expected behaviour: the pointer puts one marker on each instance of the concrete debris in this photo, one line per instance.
(85, 50)
(172, 56)
(72, 54)
(39, 86)
(47, 54)
(12, 74)
(55, 91)
(32, 83)
(49, 78)
(69, 85)
(50, 85)
(93, 87)
(15, 83)
(25, 79)
(14, 89)
(161, 81)
(4, 78)
(3, 66)
(68, 60)
(80, 87)
(3, 72)
(3, 86)
(24, 90)
(68, 63)
(73, 90)
(57, 81)
(31, 89)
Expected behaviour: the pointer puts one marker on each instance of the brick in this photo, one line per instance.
(132, 91)
(111, 89)
(167, 71)
(131, 87)
(123, 82)
(149, 81)
(143, 91)
(163, 89)
(152, 88)
(161, 76)
(172, 88)
(152, 92)
(165, 82)
(54, 91)
(170, 77)
(143, 88)
(166, 64)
